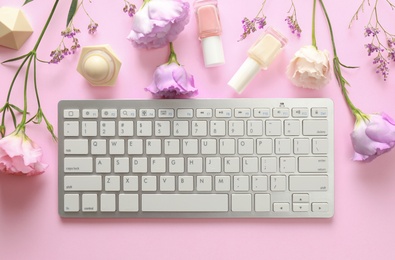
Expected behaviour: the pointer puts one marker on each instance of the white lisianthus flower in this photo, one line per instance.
(158, 23)
(310, 68)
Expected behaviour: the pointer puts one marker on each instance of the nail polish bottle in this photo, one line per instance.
(210, 30)
(99, 65)
(260, 56)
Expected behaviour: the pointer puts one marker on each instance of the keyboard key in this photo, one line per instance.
(184, 202)
(147, 113)
(128, 203)
(112, 183)
(301, 146)
(241, 183)
(222, 183)
(199, 128)
(300, 207)
(185, 113)
(117, 146)
(78, 164)
(280, 207)
(242, 112)
(139, 164)
(185, 183)
(315, 127)
(71, 202)
(262, 203)
(71, 128)
(107, 128)
(241, 202)
(107, 203)
(82, 183)
(144, 128)
(300, 112)
(281, 112)
(167, 183)
(71, 113)
(125, 128)
(103, 165)
(291, 127)
(130, 183)
(236, 128)
(162, 128)
(217, 128)
(128, 113)
(76, 146)
(273, 127)
(223, 113)
(313, 164)
(319, 112)
(181, 128)
(254, 128)
(90, 113)
(204, 183)
(98, 146)
(259, 183)
(158, 164)
(89, 202)
(262, 112)
(166, 113)
(278, 183)
(148, 183)
(320, 207)
(320, 146)
(204, 113)
(227, 146)
(153, 146)
(89, 128)
(308, 183)
(109, 113)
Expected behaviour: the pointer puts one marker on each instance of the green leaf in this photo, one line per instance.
(16, 108)
(72, 10)
(17, 58)
(27, 1)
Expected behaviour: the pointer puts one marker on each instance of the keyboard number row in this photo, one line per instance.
(198, 128)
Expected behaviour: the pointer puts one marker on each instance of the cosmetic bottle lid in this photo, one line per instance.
(244, 75)
(99, 65)
(212, 51)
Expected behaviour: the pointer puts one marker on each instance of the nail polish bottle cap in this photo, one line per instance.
(213, 53)
(244, 75)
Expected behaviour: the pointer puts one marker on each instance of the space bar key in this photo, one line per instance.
(184, 202)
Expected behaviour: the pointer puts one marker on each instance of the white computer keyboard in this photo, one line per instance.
(196, 158)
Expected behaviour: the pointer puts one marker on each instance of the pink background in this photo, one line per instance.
(363, 226)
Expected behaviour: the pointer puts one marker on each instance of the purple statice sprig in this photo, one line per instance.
(62, 50)
(70, 33)
(384, 50)
(129, 8)
(292, 21)
(252, 25)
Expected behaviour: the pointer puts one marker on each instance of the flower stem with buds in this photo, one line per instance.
(338, 73)
(29, 58)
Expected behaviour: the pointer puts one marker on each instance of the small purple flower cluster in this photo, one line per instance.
(382, 66)
(376, 46)
(293, 25)
(92, 27)
(59, 54)
(371, 48)
(371, 31)
(129, 8)
(250, 26)
(61, 51)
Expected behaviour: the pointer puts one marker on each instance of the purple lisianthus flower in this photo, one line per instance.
(373, 136)
(158, 22)
(172, 80)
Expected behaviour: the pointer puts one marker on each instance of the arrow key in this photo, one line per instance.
(300, 207)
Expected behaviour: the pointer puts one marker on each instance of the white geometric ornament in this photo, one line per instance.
(15, 29)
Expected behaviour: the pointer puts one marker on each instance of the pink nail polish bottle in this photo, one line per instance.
(209, 26)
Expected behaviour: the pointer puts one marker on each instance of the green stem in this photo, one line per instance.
(21, 125)
(173, 55)
(337, 68)
(46, 25)
(313, 39)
